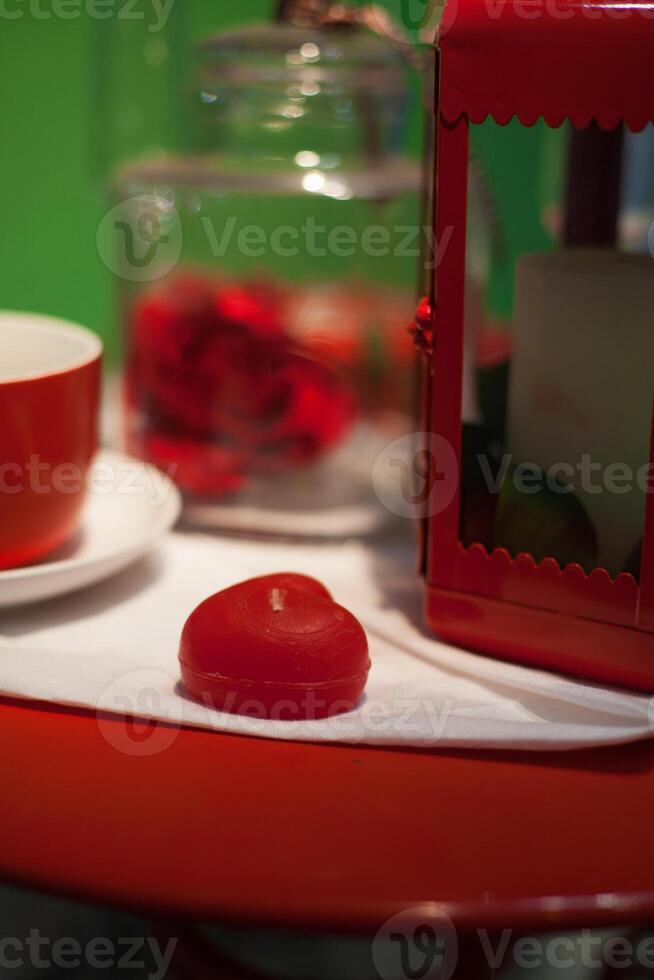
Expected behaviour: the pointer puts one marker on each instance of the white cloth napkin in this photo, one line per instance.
(113, 648)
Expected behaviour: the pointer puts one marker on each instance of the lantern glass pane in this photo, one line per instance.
(558, 343)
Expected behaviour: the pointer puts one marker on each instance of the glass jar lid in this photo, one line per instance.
(278, 53)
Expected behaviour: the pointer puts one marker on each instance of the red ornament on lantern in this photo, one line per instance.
(563, 580)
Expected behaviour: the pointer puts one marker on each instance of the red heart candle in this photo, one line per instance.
(277, 646)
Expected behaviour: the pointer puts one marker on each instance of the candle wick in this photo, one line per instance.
(276, 597)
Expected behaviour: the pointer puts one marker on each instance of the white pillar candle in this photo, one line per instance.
(582, 383)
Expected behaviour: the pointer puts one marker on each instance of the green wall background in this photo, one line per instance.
(51, 115)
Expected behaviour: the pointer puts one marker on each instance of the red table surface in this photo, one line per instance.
(304, 835)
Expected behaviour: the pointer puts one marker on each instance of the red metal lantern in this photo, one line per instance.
(580, 64)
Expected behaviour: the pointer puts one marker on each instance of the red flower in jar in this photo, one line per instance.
(222, 391)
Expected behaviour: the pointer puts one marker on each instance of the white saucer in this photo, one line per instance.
(130, 505)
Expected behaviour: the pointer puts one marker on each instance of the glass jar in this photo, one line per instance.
(137, 76)
(267, 356)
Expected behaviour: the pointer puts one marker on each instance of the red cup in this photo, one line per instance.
(49, 399)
